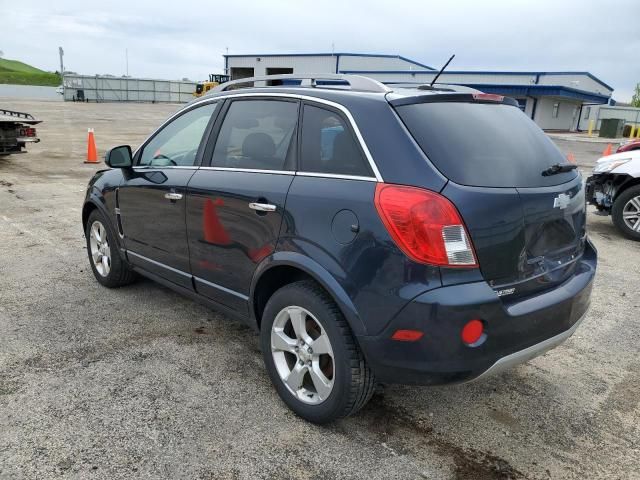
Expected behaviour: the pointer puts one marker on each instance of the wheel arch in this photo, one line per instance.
(284, 268)
(95, 202)
(88, 207)
(627, 183)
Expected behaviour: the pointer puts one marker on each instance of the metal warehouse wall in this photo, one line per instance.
(320, 63)
(600, 112)
(300, 64)
(580, 82)
(453, 78)
(117, 89)
(361, 62)
(567, 114)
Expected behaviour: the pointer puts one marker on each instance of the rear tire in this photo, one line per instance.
(104, 257)
(626, 212)
(321, 386)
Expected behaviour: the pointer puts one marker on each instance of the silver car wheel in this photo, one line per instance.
(100, 251)
(303, 355)
(631, 214)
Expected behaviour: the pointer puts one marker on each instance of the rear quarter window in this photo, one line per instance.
(480, 144)
(328, 146)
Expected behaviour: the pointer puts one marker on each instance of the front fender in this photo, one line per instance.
(320, 275)
(101, 195)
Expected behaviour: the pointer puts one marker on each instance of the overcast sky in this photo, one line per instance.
(188, 38)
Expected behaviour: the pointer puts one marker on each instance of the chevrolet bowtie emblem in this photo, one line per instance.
(561, 201)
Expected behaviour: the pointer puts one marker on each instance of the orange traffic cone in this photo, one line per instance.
(607, 151)
(92, 153)
(571, 158)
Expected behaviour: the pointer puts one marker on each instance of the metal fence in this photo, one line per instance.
(98, 88)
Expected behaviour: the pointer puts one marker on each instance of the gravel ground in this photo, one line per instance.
(142, 383)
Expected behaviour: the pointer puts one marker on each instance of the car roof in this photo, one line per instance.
(344, 96)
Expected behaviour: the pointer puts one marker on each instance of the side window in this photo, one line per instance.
(328, 145)
(257, 134)
(177, 143)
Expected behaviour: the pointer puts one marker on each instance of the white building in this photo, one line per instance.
(554, 100)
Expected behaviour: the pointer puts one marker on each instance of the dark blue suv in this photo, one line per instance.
(425, 235)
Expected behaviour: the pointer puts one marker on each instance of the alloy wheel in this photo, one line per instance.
(303, 355)
(100, 251)
(631, 214)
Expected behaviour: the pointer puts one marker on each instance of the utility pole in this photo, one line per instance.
(126, 55)
(61, 52)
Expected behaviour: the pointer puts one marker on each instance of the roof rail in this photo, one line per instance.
(11, 113)
(356, 82)
(442, 87)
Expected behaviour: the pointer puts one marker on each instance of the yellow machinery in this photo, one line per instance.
(214, 81)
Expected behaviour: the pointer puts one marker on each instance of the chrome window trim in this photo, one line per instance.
(336, 175)
(176, 167)
(342, 108)
(249, 170)
(292, 172)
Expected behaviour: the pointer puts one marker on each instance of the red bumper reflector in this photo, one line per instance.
(472, 331)
(407, 335)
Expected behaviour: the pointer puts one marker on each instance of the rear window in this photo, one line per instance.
(479, 144)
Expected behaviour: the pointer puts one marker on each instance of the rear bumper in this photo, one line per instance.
(522, 356)
(516, 331)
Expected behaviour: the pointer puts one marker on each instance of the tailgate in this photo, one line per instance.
(523, 204)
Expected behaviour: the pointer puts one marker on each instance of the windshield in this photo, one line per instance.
(480, 144)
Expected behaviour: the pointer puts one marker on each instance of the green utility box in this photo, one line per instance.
(611, 127)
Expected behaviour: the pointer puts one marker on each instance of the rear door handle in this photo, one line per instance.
(262, 207)
(173, 196)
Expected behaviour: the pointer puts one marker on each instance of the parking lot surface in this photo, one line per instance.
(143, 383)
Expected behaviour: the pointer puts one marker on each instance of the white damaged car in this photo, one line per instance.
(614, 188)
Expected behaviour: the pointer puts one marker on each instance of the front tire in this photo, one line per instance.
(311, 356)
(626, 212)
(104, 257)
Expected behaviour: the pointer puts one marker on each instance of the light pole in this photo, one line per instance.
(61, 52)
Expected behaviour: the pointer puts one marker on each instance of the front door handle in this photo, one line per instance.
(173, 196)
(262, 207)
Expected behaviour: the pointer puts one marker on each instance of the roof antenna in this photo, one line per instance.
(441, 70)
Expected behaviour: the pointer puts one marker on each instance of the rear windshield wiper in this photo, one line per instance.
(557, 168)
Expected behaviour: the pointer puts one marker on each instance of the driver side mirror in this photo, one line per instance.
(119, 157)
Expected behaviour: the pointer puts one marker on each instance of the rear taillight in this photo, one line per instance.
(27, 132)
(425, 226)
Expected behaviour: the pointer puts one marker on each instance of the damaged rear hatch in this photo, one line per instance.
(522, 202)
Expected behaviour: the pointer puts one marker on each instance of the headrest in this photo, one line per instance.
(258, 145)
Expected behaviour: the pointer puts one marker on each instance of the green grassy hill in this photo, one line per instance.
(18, 73)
